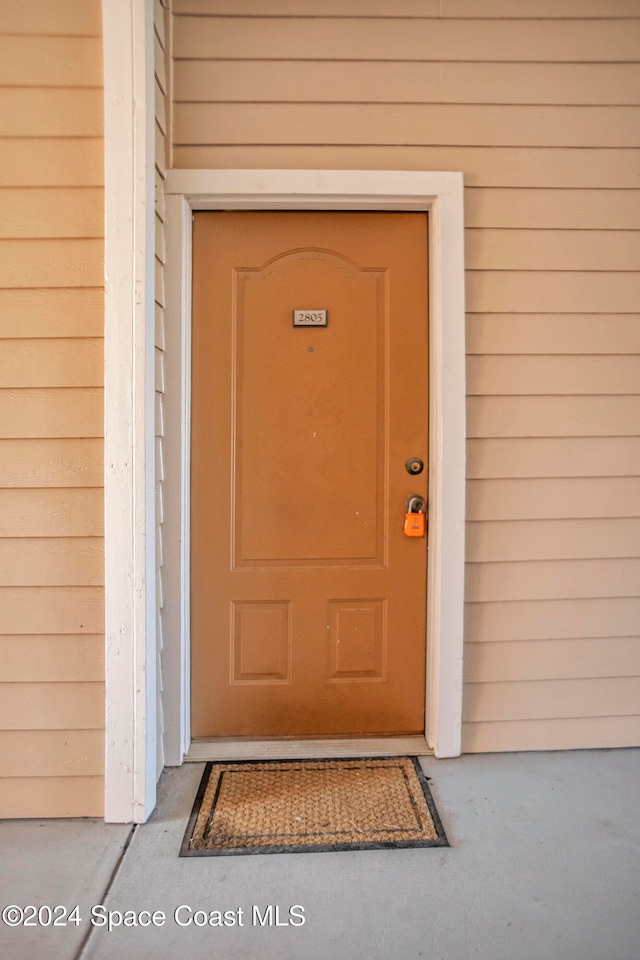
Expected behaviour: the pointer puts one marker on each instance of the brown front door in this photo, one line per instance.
(307, 599)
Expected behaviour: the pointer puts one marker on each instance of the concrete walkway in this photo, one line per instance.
(544, 865)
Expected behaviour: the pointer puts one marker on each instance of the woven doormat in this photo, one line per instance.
(303, 806)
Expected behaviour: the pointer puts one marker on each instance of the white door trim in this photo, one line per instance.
(441, 194)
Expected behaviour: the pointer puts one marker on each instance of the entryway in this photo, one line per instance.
(314, 193)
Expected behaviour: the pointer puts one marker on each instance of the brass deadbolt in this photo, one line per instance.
(414, 466)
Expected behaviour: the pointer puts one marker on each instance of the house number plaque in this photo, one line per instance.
(310, 318)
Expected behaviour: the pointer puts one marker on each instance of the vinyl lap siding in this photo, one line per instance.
(538, 104)
(51, 410)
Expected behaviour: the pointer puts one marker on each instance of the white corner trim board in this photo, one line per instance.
(441, 195)
(130, 600)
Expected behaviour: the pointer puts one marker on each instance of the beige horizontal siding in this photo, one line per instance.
(159, 62)
(552, 539)
(555, 734)
(574, 209)
(487, 166)
(51, 706)
(372, 123)
(35, 610)
(32, 61)
(160, 108)
(546, 498)
(552, 619)
(552, 580)
(553, 416)
(264, 81)
(283, 8)
(580, 250)
(412, 8)
(501, 291)
(537, 104)
(51, 409)
(540, 8)
(51, 412)
(522, 700)
(53, 312)
(159, 198)
(57, 512)
(283, 38)
(60, 18)
(51, 363)
(51, 112)
(51, 263)
(63, 162)
(51, 463)
(51, 753)
(160, 244)
(579, 457)
(64, 796)
(545, 375)
(160, 151)
(48, 561)
(52, 212)
(537, 333)
(51, 658)
(525, 660)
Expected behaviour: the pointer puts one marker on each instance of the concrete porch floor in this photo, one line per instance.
(544, 865)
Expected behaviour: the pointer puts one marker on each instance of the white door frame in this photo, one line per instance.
(441, 195)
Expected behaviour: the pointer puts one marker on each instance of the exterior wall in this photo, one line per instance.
(537, 104)
(51, 409)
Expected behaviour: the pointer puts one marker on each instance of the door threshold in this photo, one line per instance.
(306, 749)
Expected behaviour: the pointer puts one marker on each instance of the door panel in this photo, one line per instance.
(310, 385)
(308, 602)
